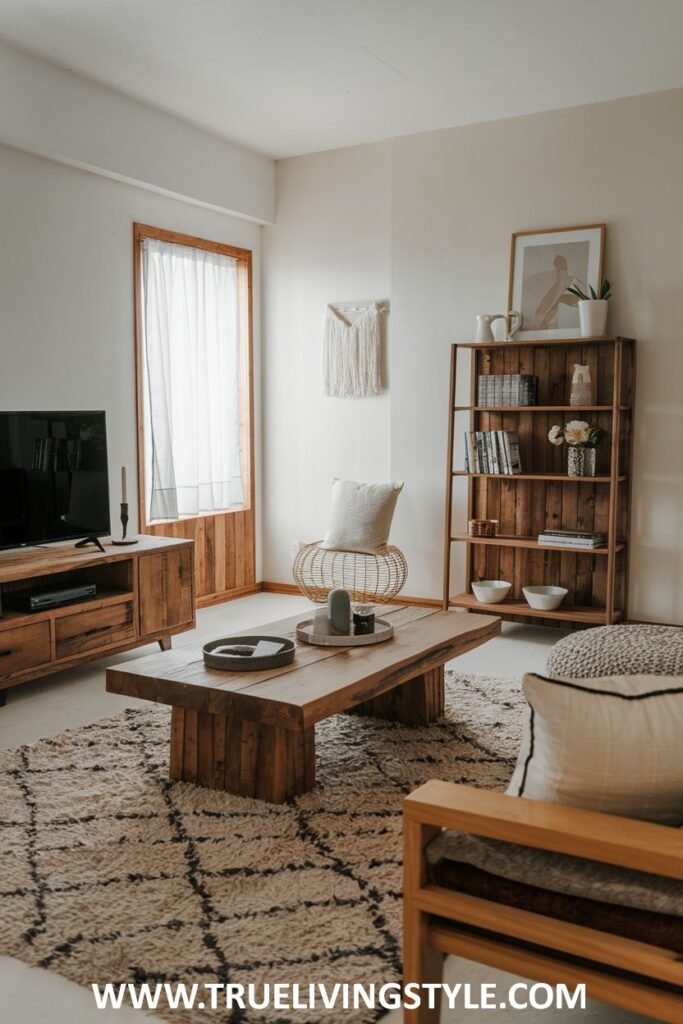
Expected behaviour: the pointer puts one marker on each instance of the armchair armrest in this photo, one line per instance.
(625, 842)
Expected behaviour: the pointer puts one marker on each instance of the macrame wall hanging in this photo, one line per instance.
(351, 354)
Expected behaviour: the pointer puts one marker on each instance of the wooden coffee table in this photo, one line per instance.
(253, 733)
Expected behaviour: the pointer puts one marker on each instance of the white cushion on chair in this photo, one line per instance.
(361, 516)
(612, 744)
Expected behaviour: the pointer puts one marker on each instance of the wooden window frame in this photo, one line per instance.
(246, 382)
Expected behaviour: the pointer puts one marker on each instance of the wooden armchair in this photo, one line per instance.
(438, 921)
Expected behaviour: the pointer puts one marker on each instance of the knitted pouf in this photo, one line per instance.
(618, 650)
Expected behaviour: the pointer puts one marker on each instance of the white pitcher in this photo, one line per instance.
(484, 332)
(484, 322)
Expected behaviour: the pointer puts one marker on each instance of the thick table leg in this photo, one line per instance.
(242, 757)
(418, 702)
(166, 643)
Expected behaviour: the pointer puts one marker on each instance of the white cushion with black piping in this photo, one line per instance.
(613, 744)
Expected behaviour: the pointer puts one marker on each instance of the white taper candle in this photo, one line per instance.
(124, 487)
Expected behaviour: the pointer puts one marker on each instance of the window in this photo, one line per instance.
(194, 368)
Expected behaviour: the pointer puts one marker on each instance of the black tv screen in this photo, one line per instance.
(54, 482)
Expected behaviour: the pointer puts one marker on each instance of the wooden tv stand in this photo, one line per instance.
(145, 593)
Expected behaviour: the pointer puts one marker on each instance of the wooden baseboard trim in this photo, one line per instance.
(291, 588)
(227, 595)
(281, 588)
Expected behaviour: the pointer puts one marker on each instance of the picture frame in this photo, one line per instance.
(543, 264)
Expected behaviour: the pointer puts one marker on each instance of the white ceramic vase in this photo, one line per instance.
(593, 317)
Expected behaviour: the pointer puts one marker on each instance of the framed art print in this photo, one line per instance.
(543, 264)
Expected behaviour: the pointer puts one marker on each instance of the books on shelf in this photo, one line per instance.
(586, 539)
(492, 451)
(506, 389)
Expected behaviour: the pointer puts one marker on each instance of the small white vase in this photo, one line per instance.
(593, 317)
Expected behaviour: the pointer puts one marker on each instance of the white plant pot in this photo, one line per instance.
(593, 317)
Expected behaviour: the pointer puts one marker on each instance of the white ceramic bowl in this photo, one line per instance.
(491, 591)
(545, 599)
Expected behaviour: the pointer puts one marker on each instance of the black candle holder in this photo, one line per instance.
(124, 527)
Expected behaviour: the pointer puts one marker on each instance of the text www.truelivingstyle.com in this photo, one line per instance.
(344, 996)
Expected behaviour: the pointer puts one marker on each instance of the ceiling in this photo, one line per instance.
(285, 77)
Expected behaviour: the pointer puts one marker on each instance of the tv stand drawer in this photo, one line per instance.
(95, 630)
(23, 647)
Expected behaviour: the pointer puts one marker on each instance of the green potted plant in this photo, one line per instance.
(581, 439)
(592, 307)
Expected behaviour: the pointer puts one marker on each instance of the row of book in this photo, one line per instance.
(492, 451)
(507, 389)
(587, 539)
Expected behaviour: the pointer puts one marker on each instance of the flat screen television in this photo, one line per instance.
(54, 482)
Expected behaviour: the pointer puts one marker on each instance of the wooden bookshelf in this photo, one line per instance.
(544, 496)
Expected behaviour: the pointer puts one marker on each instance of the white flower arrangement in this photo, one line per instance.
(577, 433)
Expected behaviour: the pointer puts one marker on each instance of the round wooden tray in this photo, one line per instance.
(213, 658)
(383, 631)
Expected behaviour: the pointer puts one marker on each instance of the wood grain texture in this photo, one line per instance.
(320, 682)
(516, 607)
(241, 756)
(422, 962)
(625, 842)
(544, 496)
(439, 922)
(420, 701)
(24, 647)
(93, 630)
(145, 592)
(252, 733)
(166, 591)
(629, 992)
(562, 936)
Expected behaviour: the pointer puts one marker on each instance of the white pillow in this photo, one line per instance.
(613, 744)
(361, 516)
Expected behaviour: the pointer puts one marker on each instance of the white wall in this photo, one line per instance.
(66, 293)
(54, 113)
(455, 198)
(331, 244)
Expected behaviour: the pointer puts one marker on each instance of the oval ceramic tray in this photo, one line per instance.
(216, 654)
(383, 631)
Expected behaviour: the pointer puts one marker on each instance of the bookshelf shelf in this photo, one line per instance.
(542, 498)
(537, 408)
(531, 544)
(501, 346)
(542, 476)
(588, 615)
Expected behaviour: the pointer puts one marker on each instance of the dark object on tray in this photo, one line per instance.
(248, 653)
(363, 621)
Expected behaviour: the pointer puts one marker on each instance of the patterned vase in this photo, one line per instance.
(580, 460)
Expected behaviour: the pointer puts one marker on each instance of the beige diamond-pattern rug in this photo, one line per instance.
(112, 873)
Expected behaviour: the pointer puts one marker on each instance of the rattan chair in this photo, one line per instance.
(372, 579)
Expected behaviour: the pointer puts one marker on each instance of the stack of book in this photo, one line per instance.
(573, 539)
(492, 451)
(506, 389)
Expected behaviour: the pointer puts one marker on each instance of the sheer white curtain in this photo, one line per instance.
(191, 345)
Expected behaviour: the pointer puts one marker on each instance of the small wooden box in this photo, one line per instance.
(483, 527)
